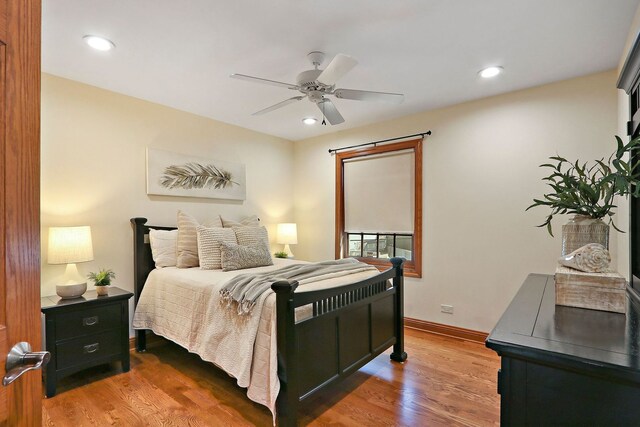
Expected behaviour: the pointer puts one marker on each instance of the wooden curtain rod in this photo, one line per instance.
(335, 150)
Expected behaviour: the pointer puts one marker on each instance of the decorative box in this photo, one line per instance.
(597, 291)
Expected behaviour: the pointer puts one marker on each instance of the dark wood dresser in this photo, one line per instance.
(84, 332)
(565, 365)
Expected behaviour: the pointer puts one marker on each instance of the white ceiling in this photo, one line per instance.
(181, 53)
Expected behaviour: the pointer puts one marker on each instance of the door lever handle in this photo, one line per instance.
(21, 359)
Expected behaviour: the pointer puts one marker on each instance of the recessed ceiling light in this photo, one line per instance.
(489, 72)
(99, 43)
(309, 120)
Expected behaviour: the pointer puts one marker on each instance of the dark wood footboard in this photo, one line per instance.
(348, 326)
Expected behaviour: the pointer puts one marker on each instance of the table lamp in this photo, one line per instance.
(287, 234)
(70, 245)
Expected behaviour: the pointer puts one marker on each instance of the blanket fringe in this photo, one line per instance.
(244, 307)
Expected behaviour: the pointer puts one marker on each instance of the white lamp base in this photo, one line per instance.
(73, 286)
(72, 276)
(71, 291)
(287, 249)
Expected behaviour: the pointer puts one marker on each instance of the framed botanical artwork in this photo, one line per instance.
(174, 174)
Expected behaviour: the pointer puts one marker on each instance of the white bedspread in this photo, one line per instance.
(184, 305)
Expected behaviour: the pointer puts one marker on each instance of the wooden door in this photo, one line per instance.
(21, 401)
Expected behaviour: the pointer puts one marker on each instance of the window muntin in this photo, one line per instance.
(380, 245)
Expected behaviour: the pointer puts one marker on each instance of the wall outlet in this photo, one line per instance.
(446, 308)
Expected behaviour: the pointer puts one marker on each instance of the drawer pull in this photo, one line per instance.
(91, 348)
(90, 321)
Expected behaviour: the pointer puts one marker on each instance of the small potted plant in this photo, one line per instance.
(281, 254)
(588, 192)
(102, 280)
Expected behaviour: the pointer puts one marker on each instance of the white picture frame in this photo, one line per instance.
(181, 175)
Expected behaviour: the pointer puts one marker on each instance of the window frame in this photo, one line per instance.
(412, 268)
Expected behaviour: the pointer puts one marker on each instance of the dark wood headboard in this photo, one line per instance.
(142, 259)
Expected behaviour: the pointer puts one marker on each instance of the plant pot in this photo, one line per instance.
(581, 230)
(102, 290)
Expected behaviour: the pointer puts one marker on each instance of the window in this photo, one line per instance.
(379, 204)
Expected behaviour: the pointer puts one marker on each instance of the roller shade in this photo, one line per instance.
(379, 193)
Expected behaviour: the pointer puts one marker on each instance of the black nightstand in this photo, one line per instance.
(84, 332)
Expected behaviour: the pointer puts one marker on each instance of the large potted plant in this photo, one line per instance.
(588, 191)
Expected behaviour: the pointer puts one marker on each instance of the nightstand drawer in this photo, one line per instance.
(90, 321)
(87, 349)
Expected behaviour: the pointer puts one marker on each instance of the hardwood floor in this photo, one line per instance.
(445, 381)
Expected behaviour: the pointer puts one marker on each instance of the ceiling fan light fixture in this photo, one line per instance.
(490, 72)
(317, 85)
(99, 43)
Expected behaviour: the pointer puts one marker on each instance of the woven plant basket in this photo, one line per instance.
(581, 230)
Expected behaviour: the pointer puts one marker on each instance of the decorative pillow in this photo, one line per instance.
(164, 244)
(250, 221)
(252, 236)
(209, 245)
(188, 239)
(236, 257)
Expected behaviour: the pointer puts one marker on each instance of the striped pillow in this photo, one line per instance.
(209, 240)
(252, 236)
(250, 221)
(188, 239)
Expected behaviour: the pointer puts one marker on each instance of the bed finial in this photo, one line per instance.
(397, 262)
(139, 221)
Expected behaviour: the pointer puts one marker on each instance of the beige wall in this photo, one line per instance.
(480, 173)
(623, 116)
(93, 170)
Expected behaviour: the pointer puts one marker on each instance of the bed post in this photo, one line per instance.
(398, 353)
(288, 397)
(139, 276)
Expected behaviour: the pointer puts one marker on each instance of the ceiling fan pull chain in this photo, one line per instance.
(324, 122)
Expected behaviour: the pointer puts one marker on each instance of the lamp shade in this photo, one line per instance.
(69, 245)
(287, 234)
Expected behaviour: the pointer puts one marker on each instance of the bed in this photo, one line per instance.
(323, 332)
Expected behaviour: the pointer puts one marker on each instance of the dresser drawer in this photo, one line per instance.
(89, 321)
(86, 349)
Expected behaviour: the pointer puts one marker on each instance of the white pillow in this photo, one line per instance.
(164, 244)
(209, 240)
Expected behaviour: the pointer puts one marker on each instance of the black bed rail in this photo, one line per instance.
(354, 292)
(344, 299)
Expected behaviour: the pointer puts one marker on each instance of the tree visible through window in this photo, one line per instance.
(379, 204)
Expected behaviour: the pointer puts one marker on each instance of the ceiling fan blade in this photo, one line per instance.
(338, 67)
(330, 112)
(263, 81)
(366, 95)
(278, 105)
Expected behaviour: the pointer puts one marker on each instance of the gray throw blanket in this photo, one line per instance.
(245, 289)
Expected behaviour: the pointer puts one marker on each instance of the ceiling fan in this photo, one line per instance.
(318, 84)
